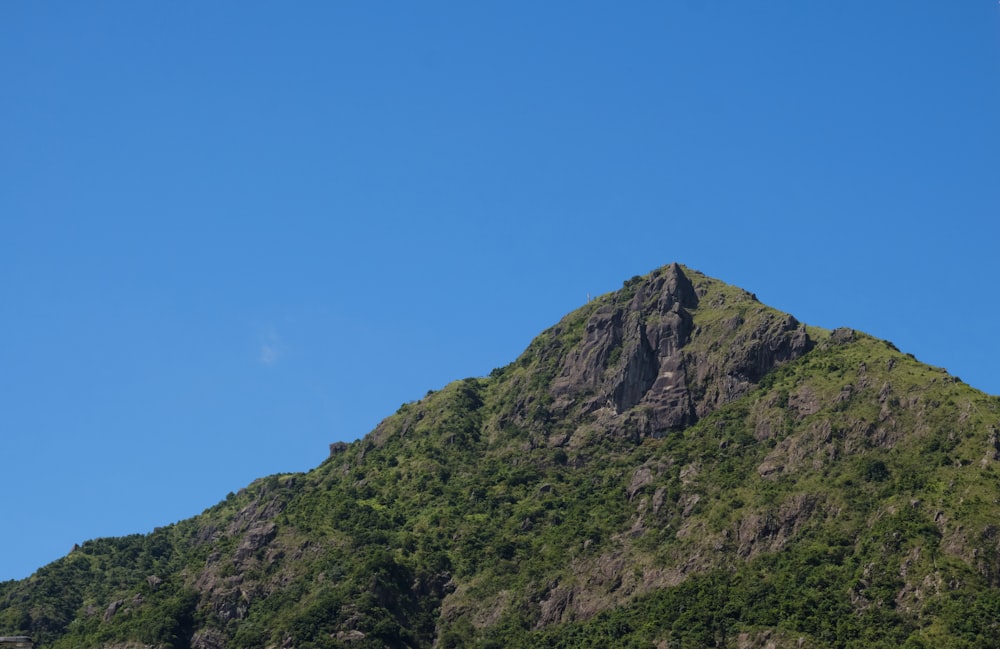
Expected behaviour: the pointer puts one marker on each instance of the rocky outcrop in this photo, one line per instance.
(221, 584)
(631, 354)
(770, 530)
(257, 536)
(208, 639)
(645, 355)
(112, 609)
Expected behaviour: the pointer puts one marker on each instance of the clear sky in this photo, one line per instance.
(234, 232)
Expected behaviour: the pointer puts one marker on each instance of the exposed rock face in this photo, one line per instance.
(650, 352)
(257, 536)
(208, 639)
(228, 596)
(770, 530)
(113, 608)
(631, 353)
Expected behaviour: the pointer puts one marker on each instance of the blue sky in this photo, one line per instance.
(232, 233)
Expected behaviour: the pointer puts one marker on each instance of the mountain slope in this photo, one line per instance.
(673, 464)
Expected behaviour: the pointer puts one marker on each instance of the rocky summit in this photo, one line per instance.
(673, 464)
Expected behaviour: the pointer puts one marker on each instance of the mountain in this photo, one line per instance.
(672, 465)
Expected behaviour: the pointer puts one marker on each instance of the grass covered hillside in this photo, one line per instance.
(672, 465)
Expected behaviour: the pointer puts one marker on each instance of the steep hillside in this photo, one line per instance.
(672, 465)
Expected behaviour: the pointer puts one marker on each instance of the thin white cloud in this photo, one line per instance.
(268, 354)
(271, 348)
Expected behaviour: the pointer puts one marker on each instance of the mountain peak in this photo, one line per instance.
(666, 350)
(668, 285)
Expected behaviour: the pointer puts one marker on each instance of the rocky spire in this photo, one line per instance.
(648, 345)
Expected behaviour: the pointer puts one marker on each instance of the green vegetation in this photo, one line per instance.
(847, 496)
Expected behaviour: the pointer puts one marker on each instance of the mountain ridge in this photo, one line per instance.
(661, 467)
